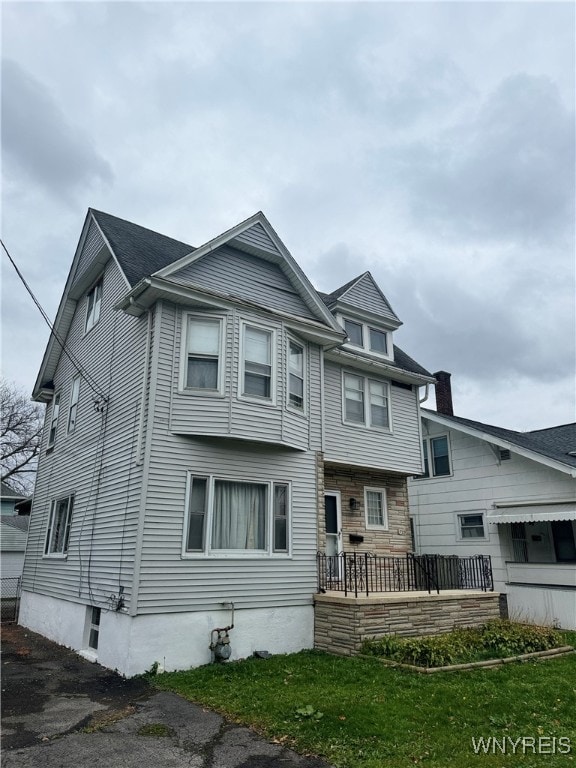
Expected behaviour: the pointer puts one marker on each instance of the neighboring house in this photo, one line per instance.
(13, 532)
(9, 498)
(511, 495)
(212, 422)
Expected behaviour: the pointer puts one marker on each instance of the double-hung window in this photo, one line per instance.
(94, 304)
(54, 420)
(471, 526)
(236, 516)
(436, 456)
(74, 397)
(203, 365)
(296, 363)
(355, 332)
(59, 523)
(257, 374)
(376, 341)
(375, 506)
(366, 401)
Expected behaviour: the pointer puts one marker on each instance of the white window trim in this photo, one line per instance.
(372, 526)
(73, 403)
(367, 423)
(224, 554)
(54, 421)
(222, 361)
(265, 401)
(304, 410)
(366, 326)
(91, 323)
(50, 527)
(458, 523)
(431, 476)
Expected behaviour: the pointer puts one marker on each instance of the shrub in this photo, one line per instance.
(496, 639)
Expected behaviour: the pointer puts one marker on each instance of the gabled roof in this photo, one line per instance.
(551, 446)
(6, 492)
(364, 295)
(140, 251)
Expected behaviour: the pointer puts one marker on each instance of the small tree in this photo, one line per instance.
(21, 432)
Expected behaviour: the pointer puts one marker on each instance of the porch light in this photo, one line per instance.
(353, 505)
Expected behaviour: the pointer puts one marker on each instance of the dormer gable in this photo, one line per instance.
(366, 315)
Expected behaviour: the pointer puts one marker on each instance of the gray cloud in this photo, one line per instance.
(41, 140)
(509, 173)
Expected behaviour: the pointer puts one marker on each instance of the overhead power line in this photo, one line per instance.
(71, 356)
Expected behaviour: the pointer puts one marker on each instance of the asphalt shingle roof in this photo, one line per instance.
(554, 442)
(20, 522)
(140, 251)
(6, 492)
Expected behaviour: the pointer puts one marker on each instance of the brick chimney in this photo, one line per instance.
(443, 393)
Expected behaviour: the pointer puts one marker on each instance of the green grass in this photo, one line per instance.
(358, 713)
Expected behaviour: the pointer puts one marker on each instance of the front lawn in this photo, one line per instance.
(357, 713)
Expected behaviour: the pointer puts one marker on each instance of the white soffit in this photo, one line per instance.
(533, 513)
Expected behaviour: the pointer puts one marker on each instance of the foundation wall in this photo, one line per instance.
(341, 624)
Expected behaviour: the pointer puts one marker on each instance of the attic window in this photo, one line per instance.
(371, 339)
(94, 303)
(505, 454)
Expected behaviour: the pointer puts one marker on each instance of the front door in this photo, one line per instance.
(333, 524)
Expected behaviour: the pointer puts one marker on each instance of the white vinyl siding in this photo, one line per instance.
(74, 398)
(236, 517)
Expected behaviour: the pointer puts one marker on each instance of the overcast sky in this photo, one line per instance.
(431, 143)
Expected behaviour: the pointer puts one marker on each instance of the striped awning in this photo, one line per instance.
(533, 513)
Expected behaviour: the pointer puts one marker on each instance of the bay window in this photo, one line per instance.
(237, 516)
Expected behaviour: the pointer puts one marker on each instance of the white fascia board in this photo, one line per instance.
(289, 263)
(352, 311)
(146, 292)
(343, 357)
(501, 443)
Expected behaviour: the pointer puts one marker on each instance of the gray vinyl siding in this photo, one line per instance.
(169, 582)
(96, 463)
(93, 243)
(366, 296)
(398, 450)
(242, 275)
(257, 237)
(230, 414)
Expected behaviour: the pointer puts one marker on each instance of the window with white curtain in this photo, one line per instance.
(236, 515)
(257, 375)
(203, 366)
(376, 510)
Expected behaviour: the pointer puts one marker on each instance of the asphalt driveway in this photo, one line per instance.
(60, 711)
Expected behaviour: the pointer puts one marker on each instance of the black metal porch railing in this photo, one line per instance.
(364, 573)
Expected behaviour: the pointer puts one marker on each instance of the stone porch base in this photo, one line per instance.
(341, 623)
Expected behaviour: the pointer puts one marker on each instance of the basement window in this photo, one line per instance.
(94, 628)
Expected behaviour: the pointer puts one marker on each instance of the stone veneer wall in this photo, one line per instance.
(351, 481)
(342, 623)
